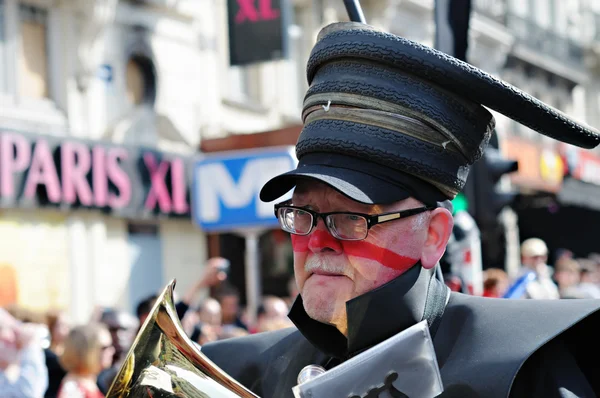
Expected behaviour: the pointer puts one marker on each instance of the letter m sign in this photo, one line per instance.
(226, 187)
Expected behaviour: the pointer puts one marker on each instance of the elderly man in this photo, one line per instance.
(23, 372)
(390, 131)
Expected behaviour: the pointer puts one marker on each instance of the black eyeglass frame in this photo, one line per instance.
(372, 219)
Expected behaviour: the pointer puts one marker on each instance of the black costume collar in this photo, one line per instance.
(377, 315)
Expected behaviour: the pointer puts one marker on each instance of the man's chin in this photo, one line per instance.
(326, 302)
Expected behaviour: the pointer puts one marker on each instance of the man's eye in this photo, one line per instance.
(352, 217)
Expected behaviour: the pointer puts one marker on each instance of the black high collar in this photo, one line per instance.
(376, 315)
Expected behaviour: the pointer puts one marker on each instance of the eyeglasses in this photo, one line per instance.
(341, 225)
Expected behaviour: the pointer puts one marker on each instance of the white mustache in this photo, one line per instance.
(316, 263)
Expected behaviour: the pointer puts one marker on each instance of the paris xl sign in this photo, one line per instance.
(44, 171)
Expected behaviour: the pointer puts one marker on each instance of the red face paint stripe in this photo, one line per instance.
(362, 249)
(300, 243)
(382, 255)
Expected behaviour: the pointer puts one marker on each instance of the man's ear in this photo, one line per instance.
(438, 234)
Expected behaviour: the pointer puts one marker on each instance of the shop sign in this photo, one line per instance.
(67, 173)
(583, 165)
(256, 31)
(552, 169)
(539, 168)
(226, 188)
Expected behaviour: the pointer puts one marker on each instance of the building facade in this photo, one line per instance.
(105, 105)
(102, 105)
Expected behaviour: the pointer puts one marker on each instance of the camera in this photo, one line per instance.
(224, 266)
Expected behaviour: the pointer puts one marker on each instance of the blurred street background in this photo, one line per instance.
(136, 134)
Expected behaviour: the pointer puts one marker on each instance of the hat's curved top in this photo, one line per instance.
(345, 40)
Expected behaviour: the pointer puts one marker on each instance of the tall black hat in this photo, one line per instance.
(386, 118)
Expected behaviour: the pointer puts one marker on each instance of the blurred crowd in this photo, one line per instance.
(568, 278)
(42, 355)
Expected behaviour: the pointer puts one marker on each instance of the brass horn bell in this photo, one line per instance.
(164, 362)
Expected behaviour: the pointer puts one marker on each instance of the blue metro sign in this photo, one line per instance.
(226, 187)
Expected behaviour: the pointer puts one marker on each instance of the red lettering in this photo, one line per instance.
(43, 172)
(76, 163)
(179, 187)
(158, 189)
(10, 164)
(267, 13)
(361, 248)
(246, 11)
(99, 178)
(118, 177)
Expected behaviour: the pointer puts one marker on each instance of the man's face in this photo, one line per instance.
(229, 308)
(566, 278)
(107, 351)
(122, 331)
(210, 313)
(534, 261)
(329, 272)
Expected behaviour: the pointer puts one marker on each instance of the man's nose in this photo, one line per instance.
(320, 240)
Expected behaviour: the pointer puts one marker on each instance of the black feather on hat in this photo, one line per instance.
(386, 118)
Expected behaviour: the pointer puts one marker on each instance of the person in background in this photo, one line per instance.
(495, 282)
(534, 257)
(272, 315)
(210, 312)
(589, 272)
(563, 254)
(588, 286)
(208, 325)
(88, 350)
(229, 299)
(567, 275)
(122, 328)
(58, 328)
(143, 309)
(204, 333)
(231, 331)
(23, 372)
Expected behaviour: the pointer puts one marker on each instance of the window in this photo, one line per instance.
(543, 14)
(244, 83)
(140, 80)
(135, 83)
(33, 57)
(519, 7)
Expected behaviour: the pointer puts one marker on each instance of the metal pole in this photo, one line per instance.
(354, 10)
(252, 276)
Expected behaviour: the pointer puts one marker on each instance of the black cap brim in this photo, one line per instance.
(348, 182)
(354, 178)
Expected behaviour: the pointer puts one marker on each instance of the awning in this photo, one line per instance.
(578, 193)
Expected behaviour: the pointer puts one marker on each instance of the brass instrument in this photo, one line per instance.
(164, 362)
